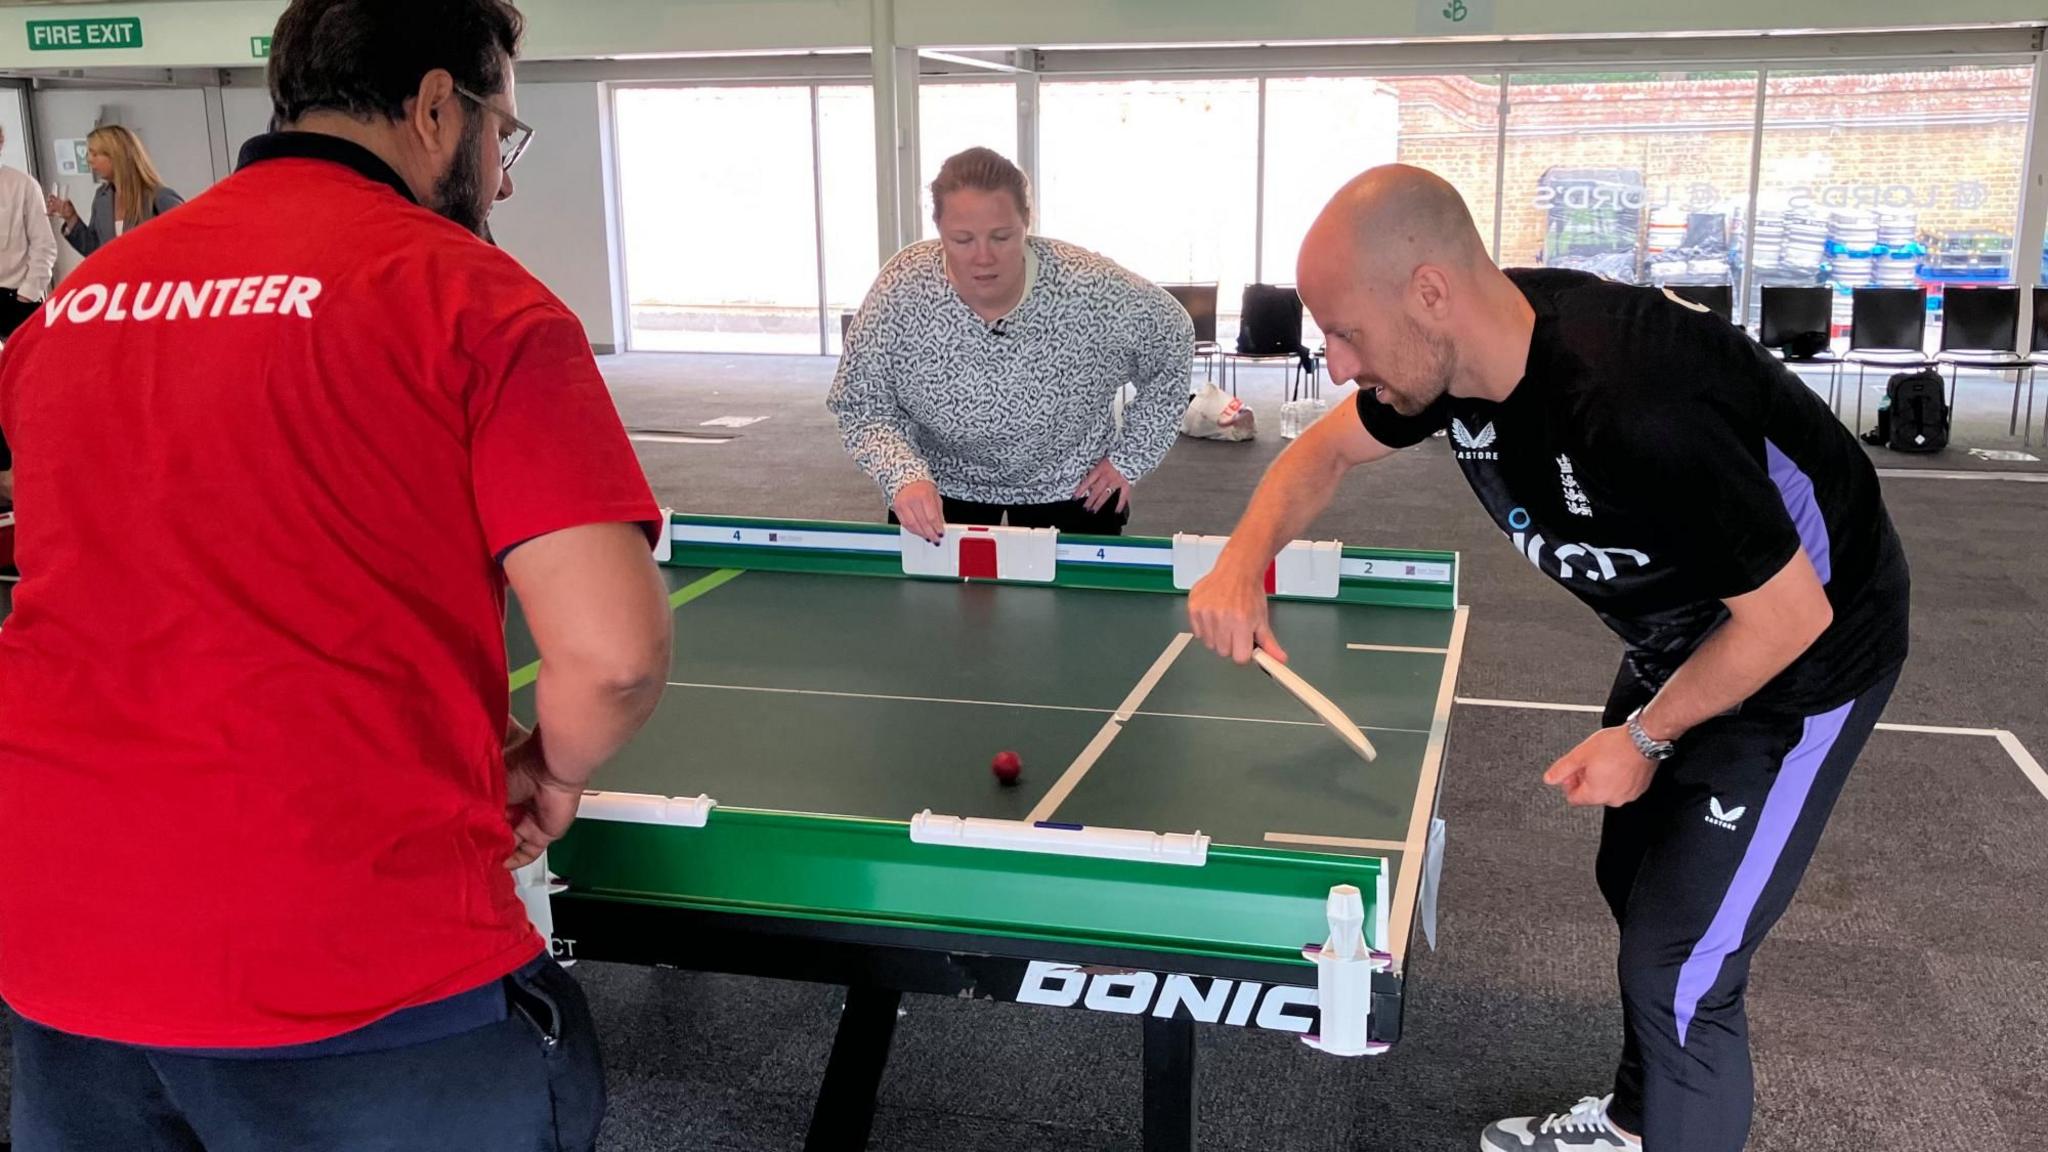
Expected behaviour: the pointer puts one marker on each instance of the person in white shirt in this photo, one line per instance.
(28, 249)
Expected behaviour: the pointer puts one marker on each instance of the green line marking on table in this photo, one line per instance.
(692, 591)
(524, 677)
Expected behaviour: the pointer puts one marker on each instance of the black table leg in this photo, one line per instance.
(1169, 1085)
(845, 1110)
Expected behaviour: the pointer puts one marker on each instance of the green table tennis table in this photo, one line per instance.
(813, 799)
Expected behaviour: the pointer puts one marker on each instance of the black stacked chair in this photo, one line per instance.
(1980, 328)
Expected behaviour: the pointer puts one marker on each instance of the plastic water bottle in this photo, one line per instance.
(1290, 419)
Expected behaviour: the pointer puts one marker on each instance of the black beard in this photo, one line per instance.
(458, 194)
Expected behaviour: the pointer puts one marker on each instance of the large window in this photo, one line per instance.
(1640, 178)
(846, 148)
(1161, 176)
(1322, 131)
(743, 232)
(721, 226)
(1891, 178)
(750, 212)
(951, 118)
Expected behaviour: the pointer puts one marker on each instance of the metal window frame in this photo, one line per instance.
(1026, 78)
(818, 219)
(2032, 234)
(1756, 183)
(1259, 194)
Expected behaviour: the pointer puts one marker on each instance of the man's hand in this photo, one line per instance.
(539, 807)
(919, 508)
(1228, 612)
(1605, 769)
(1103, 483)
(6, 487)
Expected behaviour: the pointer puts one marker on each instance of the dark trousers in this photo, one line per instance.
(1697, 871)
(1069, 516)
(13, 312)
(529, 1083)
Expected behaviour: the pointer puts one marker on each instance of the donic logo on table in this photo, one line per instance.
(1473, 445)
(1280, 1007)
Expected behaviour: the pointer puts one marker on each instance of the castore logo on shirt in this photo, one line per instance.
(1471, 445)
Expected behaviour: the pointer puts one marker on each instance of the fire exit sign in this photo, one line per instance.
(75, 35)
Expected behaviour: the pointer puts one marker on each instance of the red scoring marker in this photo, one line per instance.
(978, 557)
(1007, 766)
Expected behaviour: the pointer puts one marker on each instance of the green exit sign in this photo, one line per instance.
(259, 47)
(81, 35)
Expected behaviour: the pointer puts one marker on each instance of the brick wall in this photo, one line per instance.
(1947, 145)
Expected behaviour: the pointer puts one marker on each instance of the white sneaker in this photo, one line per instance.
(1583, 1129)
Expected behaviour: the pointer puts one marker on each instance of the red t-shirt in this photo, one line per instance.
(269, 450)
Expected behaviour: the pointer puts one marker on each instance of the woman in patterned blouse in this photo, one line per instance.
(979, 377)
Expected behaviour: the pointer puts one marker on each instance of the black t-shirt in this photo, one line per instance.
(1655, 461)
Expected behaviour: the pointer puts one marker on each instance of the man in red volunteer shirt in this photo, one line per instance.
(277, 456)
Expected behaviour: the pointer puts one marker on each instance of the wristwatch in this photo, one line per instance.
(1651, 749)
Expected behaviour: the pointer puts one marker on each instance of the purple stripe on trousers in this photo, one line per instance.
(1796, 490)
(1774, 825)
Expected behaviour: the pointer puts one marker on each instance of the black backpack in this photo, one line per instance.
(1271, 324)
(1914, 415)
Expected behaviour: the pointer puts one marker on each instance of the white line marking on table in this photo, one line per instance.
(1064, 786)
(1335, 842)
(882, 696)
(1014, 704)
(2028, 766)
(1408, 885)
(1398, 648)
(1283, 723)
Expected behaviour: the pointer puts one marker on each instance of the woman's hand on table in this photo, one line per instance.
(919, 508)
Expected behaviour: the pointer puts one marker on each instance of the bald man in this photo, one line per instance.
(1710, 509)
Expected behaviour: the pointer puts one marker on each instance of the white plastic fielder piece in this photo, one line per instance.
(1303, 568)
(639, 808)
(1193, 556)
(666, 548)
(1308, 568)
(1345, 964)
(1060, 839)
(978, 552)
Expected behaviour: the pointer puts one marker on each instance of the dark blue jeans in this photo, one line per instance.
(530, 1082)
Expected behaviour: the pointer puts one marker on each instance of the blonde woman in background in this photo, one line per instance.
(130, 191)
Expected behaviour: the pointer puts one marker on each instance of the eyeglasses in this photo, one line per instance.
(511, 146)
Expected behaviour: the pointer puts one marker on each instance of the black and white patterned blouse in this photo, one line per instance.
(1018, 411)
